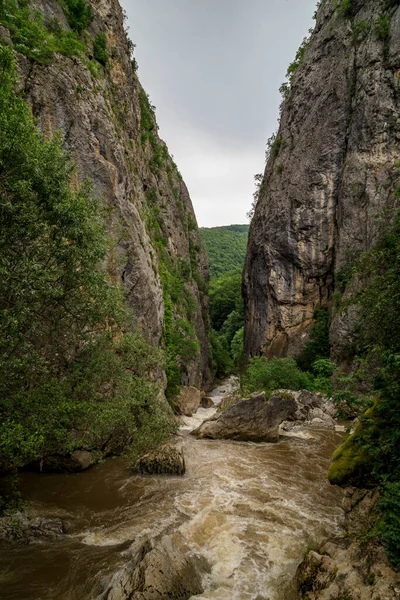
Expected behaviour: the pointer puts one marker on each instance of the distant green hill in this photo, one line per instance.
(226, 248)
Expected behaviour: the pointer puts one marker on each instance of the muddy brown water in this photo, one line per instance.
(250, 509)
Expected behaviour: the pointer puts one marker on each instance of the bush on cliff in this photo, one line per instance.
(378, 343)
(73, 371)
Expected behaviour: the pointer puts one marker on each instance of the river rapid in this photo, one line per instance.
(250, 509)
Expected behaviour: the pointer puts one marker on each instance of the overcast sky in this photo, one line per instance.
(213, 69)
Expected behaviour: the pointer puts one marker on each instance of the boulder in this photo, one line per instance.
(79, 460)
(187, 402)
(206, 402)
(228, 401)
(168, 460)
(250, 420)
(26, 529)
(313, 408)
(158, 572)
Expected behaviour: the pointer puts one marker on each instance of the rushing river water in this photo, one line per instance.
(250, 509)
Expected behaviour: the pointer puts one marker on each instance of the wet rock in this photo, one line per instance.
(342, 571)
(169, 460)
(313, 408)
(158, 572)
(79, 460)
(207, 402)
(228, 401)
(250, 420)
(187, 402)
(26, 529)
(343, 568)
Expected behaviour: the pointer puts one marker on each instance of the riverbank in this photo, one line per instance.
(251, 510)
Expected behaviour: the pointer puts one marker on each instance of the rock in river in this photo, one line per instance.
(250, 420)
(187, 402)
(168, 460)
(158, 572)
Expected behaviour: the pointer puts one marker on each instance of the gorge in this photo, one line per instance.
(115, 340)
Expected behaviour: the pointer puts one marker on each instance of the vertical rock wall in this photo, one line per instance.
(329, 184)
(109, 127)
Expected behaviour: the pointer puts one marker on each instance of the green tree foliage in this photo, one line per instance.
(73, 373)
(317, 347)
(225, 297)
(227, 317)
(100, 51)
(225, 247)
(372, 454)
(279, 373)
(79, 14)
(221, 360)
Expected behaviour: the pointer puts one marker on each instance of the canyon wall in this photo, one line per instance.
(108, 126)
(331, 182)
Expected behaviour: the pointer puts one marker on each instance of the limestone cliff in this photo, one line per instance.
(88, 89)
(331, 179)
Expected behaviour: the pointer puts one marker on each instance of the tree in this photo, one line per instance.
(73, 370)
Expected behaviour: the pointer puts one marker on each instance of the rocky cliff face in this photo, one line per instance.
(331, 179)
(109, 128)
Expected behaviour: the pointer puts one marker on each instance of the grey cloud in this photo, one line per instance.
(213, 69)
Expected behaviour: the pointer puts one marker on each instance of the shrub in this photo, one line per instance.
(389, 526)
(278, 373)
(372, 454)
(237, 350)
(100, 51)
(79, 14)
(382, 31)
(345, 7)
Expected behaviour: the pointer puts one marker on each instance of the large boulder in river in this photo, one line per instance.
(250, 420)
(207, 402)
(313, 408)
(158, 572)
(187, 402)
(168, 460)
(79, 460)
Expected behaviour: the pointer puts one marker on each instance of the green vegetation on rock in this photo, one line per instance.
(177, 275)
(225, 247)
(371, 456)
(75, 373)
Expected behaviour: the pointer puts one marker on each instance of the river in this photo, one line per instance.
(250, 509)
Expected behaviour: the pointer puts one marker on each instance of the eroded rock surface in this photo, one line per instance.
(250, 420)
(108, 125)
(169, 460)
(206, 402)
(26, 529)
(349, 567)
(313, 408)
(328, 188)
(187, 402)
(158, 572)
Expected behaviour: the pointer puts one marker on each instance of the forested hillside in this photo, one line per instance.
(226, 250)
(225, 247)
